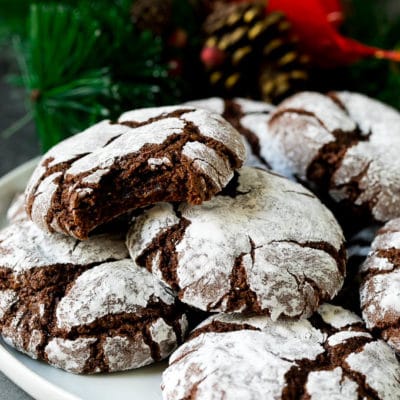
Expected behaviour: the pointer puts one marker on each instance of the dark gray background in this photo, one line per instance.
(19, 148)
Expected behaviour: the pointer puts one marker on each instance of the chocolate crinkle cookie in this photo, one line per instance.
(265, 245)
(82, 306)
(250, 118)
(329, 356)
(175, 153)
(344, 144)
(380, 285)
(16, 211)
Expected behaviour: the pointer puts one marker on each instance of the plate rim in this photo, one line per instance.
(30, 381)
(12, 174)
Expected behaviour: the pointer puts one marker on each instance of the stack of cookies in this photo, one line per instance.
(130, 228)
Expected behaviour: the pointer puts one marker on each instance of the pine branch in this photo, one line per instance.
(56, 71)
(84, 63)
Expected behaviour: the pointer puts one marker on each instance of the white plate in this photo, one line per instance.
(47, 383)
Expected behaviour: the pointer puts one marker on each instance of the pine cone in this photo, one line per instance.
(250, 53)
(153, 15)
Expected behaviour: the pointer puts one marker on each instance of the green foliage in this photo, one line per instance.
(370, 22)
(82, 63)
(83, 60)
(57, 70)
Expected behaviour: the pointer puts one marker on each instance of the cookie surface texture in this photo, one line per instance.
(250, 118)
(380, 284)
(345, 144)
(173, 153)
(265, 245)
(82, 306)
(329, 356)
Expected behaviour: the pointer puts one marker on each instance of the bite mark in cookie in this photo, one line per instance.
(150, 155)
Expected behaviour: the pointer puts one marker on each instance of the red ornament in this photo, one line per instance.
(334, 12)
(212, 56)
(315, 22)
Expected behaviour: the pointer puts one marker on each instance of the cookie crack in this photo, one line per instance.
(33, 285)
(60, 167)
(240, 296)
(166, 240)
(231, 189)
(364, 390)
(233, 113)
(221, 327)
(332, 357)
(173, 114)
(352, 188)
(393, 258)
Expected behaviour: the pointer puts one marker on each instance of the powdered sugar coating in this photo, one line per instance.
(110, 288)
(380, 367)
(342, 337)
(236, 357)
(332, 385)
(71, 355)
(380, 285)
(219, 374)
(207, 161)
(83, 161)
(323, 107)
(276, 230)
(251, 106)
(124, 353)
(214, 104)
(214, 126)
(248, 116)
(77, 310)
(338, 317)
(7, 299)
(270, 147)
(23, 246)
(162, 334)
(366, 134)
(16, 211)
(313, 138)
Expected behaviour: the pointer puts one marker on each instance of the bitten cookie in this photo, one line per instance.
(380, 286)
(264, 245)
(329, 356)
(82, 306)
(250, 118)
(345, 144)
(150, 155)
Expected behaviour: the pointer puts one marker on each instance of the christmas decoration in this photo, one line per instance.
(249, 52)
(84, 60)
(83, 64)
(315, 23)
